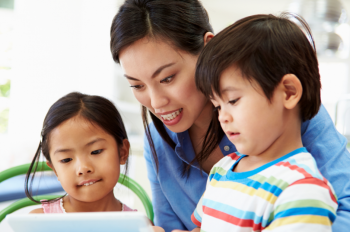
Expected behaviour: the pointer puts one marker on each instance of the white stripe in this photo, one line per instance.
(212, 224)
(239, 200)
(306, 192)
(302, 227)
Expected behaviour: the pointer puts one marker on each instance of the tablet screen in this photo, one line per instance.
(80, 222)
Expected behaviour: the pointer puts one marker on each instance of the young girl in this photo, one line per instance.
(84, 142)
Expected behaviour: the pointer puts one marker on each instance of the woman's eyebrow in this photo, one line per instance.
(161, 69)
(154, 74)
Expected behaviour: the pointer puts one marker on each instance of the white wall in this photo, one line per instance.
(59, 46)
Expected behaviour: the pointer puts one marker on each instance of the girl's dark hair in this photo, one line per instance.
(182, 23)
(96, 109)
(264, 48)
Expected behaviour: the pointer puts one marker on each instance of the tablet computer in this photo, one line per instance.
(80, 222)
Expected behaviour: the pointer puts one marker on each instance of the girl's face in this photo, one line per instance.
(162, 79)
(85, 159)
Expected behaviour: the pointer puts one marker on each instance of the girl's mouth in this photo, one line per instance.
(172, 118)
(90, 182)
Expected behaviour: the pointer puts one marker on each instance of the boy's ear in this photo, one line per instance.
(293, 90)
(207, 37)
(51, 166)
(124, 151)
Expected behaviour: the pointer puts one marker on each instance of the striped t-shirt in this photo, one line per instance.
(287, 194)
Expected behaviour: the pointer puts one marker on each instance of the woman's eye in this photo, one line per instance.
(232, 102)
(167, 79)
(96, 152)
(137, 87)
(66, 160)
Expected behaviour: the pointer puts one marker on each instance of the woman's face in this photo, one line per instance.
(162, 79)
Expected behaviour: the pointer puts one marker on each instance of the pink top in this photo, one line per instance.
(57, 207)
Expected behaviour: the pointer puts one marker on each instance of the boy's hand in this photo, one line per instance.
(194, 230)
(158, 229)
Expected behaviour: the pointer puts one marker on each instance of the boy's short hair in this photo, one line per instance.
(264, 48)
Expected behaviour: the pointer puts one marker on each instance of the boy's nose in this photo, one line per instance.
(225, 117)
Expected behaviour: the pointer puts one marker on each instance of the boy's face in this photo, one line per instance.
(250, 121)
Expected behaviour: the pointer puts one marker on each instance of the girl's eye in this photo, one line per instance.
(96, 152)
(167, 79)
(232, 102)
(137, 87)
(66, 160)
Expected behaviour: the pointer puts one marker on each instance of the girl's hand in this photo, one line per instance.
(194, 230)
(158, 229)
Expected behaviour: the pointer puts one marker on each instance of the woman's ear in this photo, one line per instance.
(124, 151)
(207, 37)
(51, 166)
(293, 90)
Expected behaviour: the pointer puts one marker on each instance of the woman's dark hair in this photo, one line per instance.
(98, 110)
(182, 23)
(264, 48)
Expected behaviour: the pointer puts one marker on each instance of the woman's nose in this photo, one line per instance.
(158, 99)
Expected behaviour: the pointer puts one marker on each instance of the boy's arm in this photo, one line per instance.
(328, 147)
(194, 230)
(306, 205)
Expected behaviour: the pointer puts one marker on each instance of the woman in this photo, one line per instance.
(157, 43)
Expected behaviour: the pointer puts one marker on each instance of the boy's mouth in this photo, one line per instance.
(232, 135)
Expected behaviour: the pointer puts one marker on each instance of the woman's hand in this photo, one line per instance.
(158, 229)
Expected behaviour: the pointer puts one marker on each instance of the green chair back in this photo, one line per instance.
(22, 169)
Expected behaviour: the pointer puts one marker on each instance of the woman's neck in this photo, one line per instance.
(108, 203)
(200, 127)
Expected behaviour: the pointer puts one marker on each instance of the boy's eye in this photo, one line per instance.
(217, 108)
(137, 87)
(232, 102)
(96, 152)
(66, 160)
(167, 79)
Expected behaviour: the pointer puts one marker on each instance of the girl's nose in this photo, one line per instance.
(158, 99)
(84, 167)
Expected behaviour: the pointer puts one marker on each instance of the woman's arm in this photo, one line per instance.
(328, 147)
(164, 216)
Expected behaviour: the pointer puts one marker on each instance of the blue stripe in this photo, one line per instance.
(246, 215)
(197, 216)
(241, 175)
(306, 167)
(273, 189)
(306, 211)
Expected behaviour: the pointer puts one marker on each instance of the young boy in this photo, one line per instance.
(261, 74)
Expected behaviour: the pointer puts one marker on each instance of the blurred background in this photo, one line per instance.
(50, 48)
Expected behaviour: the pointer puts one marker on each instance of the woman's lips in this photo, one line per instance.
(172, 118)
